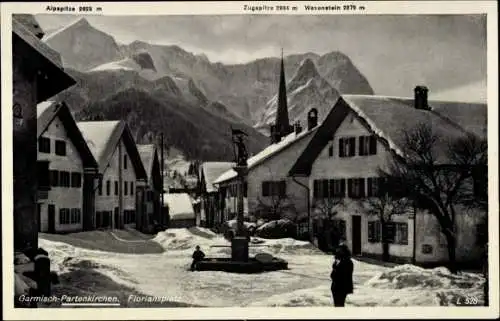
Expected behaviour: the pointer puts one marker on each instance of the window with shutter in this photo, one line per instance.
(341, 147)
(131, 188)
(60, 147)
(352, 146)
(54, 178)
(76, 179)
(44, 145)
(373, 145)
(324, 188)
(116, 187)
(362, 151)
(108, 187)
(316, 189)
(330, 151)
(401, 233)
(125, 188)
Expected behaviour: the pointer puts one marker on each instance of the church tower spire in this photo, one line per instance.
(282, 125)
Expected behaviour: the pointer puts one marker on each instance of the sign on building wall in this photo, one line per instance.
(17, 113)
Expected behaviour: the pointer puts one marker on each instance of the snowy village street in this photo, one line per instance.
(306, 283)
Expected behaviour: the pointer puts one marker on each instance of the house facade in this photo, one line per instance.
(37, 76)
(66, 171)
(210, 197)
(153, 190)
(343, 160)
(120, 190)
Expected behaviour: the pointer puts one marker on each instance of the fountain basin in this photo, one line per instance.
(251, 266)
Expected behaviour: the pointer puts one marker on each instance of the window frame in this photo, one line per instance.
(41, 145)
(59, 143)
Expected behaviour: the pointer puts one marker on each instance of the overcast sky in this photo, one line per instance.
(393, 52)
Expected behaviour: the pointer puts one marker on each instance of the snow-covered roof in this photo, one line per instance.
(389, 118)
(47, 111)
(180, 206)
(25, 33)
(266, 153)
(98, 134)
(147, 153)
(211, 171)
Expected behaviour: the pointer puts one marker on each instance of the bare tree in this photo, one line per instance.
(328, 207)
(275, 207)
(385, 204)
(278, 204)
(439, 182)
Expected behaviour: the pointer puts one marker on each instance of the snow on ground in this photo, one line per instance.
(306, 283)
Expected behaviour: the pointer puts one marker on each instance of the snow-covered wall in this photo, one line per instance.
(58, 196)
(109, 202)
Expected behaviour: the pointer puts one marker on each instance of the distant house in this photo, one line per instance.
(211, 201)
(269, 191)
(66, 172)
(150, 159)
(37, 75)
(120, 190)
(180, 210)
(358, 137)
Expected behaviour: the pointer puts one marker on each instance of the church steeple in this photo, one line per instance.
(282, 126)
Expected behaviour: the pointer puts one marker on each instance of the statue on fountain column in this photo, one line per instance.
(242, 153)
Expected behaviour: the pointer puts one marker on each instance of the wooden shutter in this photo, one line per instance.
(324, 188)
(315, 189)
(349, 187)
(352, 146)
(361, 145)
(341, 147)
(373, 145)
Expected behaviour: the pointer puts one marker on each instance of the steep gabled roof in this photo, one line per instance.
(103, 137)
(210, 171)
(180, 206)
(389, 117)
(147, 153)
(267, 153)
(48, 111)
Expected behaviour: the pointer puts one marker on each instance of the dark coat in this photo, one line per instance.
(198, 255)
(342, 277)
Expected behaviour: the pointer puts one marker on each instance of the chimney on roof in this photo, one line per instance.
(275, 137)
(421, 97)
(312, 119)
(297, 127)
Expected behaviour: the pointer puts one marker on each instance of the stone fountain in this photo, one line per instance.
(240, 261)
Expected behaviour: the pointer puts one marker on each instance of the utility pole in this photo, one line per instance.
(161, 219)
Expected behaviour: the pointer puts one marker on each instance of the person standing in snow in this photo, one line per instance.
(342, 269)
(198, 255)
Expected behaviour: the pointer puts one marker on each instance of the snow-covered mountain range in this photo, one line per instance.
(242, 94)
